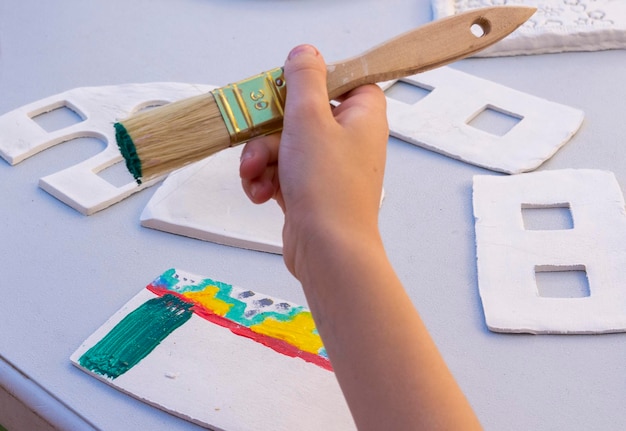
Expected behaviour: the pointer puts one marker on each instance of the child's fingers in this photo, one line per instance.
(257, 155)
(258, 168)
(262, 188)
(364, 102)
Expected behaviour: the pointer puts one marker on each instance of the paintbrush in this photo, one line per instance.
(163, 139)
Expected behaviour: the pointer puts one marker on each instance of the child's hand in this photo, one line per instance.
(326, 168)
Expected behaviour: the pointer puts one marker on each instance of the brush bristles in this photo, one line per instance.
(171, 136)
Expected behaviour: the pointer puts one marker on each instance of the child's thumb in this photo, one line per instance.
(305, 76)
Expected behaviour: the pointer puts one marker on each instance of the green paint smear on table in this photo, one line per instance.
(132, 339)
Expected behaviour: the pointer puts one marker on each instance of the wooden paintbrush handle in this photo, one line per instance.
(432, 45)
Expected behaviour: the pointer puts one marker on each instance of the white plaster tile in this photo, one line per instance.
(508, 254)
(557, 26)
(79, 186)
(206, 201)
(206, 374)
(439, 121)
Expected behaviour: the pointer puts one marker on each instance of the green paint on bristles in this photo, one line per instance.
(129, 152)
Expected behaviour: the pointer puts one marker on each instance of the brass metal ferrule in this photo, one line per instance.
(254, 106)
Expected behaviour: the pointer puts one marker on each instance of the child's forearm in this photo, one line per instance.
(389, 369)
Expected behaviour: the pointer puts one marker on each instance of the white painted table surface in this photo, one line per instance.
(63, 274)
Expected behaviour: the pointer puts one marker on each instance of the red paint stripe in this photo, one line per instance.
(275, 344)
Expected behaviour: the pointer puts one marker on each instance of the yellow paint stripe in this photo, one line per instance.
(300, 331)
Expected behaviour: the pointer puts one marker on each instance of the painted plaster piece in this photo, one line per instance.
(205, 201)
(80, 186)
(440, 121)
(218, 355)
(557, 26)
(510, 256)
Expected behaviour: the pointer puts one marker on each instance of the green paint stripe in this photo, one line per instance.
(132, 339)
